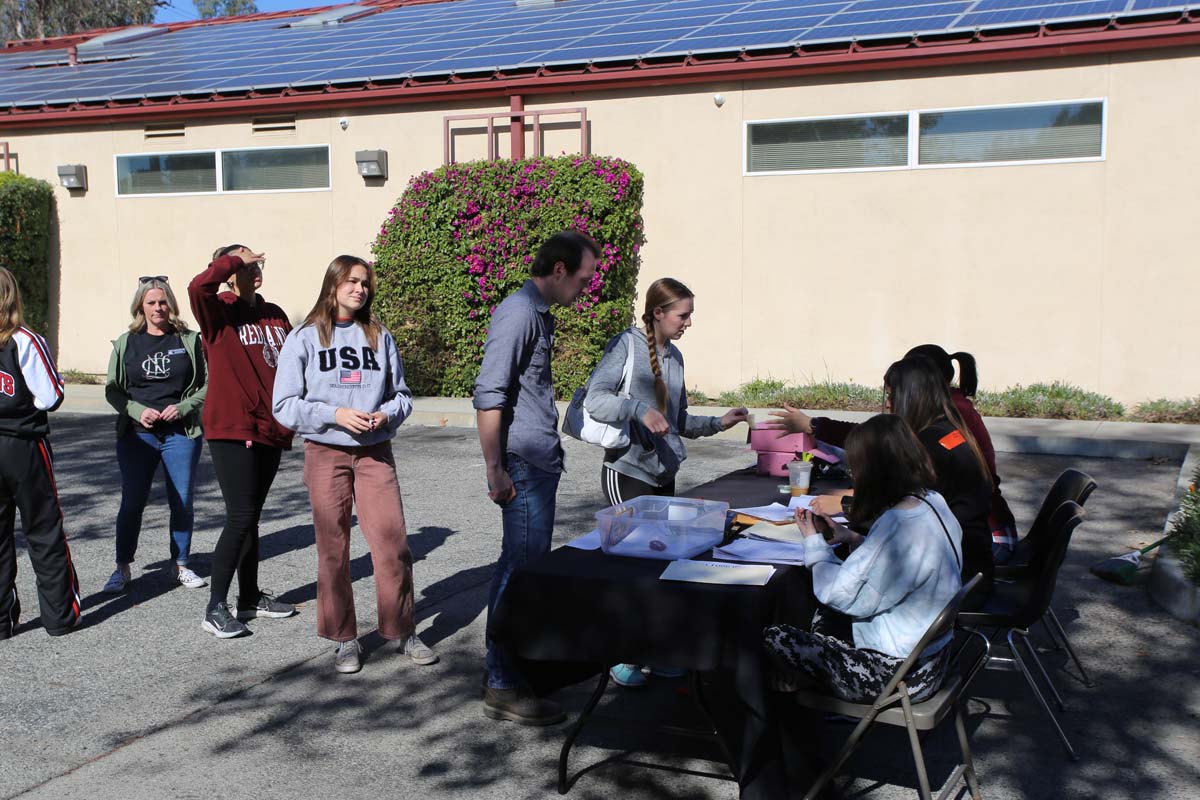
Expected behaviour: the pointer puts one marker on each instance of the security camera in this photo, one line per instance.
(344, 122)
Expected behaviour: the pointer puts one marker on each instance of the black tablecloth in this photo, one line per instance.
(594, 610)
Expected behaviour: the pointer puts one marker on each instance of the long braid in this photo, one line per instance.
(662, 294)
(660, 388)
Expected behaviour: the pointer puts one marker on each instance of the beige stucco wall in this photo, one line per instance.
(1075, 271)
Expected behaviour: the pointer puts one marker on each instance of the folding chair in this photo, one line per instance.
(1013, 607)
(1072, 485)
(895, 707)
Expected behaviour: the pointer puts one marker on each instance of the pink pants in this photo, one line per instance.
(339, 478)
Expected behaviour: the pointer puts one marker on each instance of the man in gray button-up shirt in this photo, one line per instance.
(518, 433)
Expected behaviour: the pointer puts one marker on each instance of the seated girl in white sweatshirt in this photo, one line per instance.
(894, 583)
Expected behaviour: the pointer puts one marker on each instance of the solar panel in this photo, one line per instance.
(473, 35)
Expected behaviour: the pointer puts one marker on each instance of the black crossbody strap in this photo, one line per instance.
(945, 530)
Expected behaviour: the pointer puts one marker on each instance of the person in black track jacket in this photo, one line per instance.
(30, 386)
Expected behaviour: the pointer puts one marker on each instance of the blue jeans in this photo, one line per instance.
(138, 456)
(528, 521)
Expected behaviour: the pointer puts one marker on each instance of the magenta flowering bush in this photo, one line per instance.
(461, 239)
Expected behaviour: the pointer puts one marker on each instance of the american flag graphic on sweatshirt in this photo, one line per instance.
(350, 377)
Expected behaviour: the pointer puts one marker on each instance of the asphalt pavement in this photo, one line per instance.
(140, 703)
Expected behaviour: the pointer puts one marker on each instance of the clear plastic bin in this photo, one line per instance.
(661, 527)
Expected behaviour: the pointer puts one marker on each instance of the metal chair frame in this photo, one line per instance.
(894, 706)
(1016, 627)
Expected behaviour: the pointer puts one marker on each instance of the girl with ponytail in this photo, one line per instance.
(1001, 521)
(655, 405)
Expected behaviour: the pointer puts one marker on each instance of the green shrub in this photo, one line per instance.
(26, 206)
(83, 378)
(773, 393)
(461, 238)
(1058, 400)
(1163, 410)
(1186, 529)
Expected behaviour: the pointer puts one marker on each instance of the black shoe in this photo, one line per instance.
(64, 631)
(267, 606)
(221, 624)
(522, 706)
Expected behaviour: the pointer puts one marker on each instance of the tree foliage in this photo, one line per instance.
(225, 8)
(461, 239)
(26, 210)
(39, 19)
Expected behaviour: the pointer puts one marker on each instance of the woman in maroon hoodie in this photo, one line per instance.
(243, 335)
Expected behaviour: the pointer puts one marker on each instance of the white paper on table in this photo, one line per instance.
(776, 512)
(589, 541)
(806, 501)
(717, 572)
(774, 533)
(761, 551)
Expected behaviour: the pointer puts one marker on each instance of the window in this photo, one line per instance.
(255, 169)
(167, 173)
(1041, 132)
(275, 169)
(1028, 133)
(822, 144)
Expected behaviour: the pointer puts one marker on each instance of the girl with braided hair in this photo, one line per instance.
(655, 405)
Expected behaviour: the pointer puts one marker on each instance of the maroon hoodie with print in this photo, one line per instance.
(242, 342)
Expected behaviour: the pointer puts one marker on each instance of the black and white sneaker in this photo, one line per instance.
(267, 606)
(221, 624)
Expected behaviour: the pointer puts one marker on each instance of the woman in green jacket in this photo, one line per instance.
(157, 379)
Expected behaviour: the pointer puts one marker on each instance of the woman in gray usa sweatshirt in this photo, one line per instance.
(340, 385)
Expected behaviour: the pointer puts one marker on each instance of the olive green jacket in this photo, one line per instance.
(117, 393)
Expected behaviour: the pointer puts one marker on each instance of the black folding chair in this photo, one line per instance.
(1074, 486)
(1013, 607)
(894, 706)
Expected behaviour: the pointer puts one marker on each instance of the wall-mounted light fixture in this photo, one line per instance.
(371, 163)
(73, 176)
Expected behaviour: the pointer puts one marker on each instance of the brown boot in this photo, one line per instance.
(522, 706)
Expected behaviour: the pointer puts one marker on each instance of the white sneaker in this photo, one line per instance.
(116, 582)
(190, 579)
(347, 658)
(418, 651)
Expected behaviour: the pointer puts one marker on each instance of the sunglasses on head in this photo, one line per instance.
(148, 278)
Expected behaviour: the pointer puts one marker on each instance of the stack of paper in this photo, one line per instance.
(776, 512)
(761, 551)
(770, 532)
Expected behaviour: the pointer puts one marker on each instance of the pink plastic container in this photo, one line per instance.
(769, 441)
(774, 463)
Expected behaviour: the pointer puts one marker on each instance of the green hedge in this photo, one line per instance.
(25, 212)
(461, 238)
(1186, 530)
(1056, 400)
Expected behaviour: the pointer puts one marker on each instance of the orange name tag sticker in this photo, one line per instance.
(952, 440)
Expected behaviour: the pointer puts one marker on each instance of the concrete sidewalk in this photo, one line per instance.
(141, 704)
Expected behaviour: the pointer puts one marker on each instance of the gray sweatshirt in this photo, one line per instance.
(312, 382)
(650, 459)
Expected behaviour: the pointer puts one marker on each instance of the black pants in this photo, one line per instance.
(619, 488)
(27, 484)
(245, 475)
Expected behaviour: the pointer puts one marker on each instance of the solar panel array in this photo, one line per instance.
(484, 35)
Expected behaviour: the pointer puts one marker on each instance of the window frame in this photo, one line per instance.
(220, 173)
(914, 141)
(823, 118)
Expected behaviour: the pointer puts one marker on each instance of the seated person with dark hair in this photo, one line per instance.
(893, 584)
